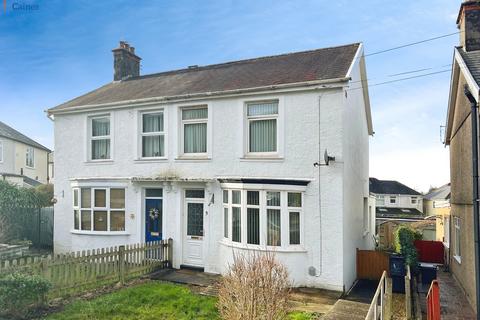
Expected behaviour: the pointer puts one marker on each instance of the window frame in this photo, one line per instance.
(91, 138)
(414, 200)
(284, 216)
(394, 198)
(181, 144)
(457, 248)
(249, 119)
(93, 208)
(30, 151)
(142, 134)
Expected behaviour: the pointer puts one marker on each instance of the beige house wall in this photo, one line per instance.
(461, 194)
(39, 171)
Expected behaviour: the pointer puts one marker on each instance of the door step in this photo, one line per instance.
(193, 268)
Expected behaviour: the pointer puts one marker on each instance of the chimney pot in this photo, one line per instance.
(126, 63)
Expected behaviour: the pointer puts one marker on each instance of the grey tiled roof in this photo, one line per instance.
(320, 64)
(390, 187)
(10, 133)
(442, 193)
(472, 60)
(399, 213)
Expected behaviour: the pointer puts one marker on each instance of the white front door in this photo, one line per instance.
(193, 228)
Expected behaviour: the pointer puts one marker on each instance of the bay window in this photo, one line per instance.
(262, 125)
(261, 216)
(236, 216)
(99, 209)
(194, 130)
(100, 138)
(153, 135)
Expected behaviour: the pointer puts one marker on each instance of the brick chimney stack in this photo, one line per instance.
(126, 63)
(468, 22)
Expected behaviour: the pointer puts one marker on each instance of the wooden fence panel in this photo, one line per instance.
(371, 264)
(79, 271)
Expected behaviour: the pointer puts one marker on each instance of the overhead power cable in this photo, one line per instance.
(412, 44)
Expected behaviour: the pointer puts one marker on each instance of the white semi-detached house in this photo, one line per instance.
(222, 158)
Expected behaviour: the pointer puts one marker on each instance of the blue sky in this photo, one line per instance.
(63, 49)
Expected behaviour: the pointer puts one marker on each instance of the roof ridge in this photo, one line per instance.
(29, 141)
(234, 62)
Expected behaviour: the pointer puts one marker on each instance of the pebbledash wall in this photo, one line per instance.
(310, 121)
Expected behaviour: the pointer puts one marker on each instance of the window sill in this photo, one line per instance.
(100, 233)
(95, 162)
(292, 248)
(271, 158)
(193, 158)
(149, 160)
(446, 245)
(458, 259)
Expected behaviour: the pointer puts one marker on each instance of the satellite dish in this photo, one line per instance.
(327, 158)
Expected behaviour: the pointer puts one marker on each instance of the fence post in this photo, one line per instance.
(121, 264)
(388, 298)
(408, 295)
(170, 253)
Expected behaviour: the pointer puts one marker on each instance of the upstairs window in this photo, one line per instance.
(414, 200)
(380, 200)
(100, 138)
(153, 135)
(262, 118)
(30, 157)
(393, 200)
(194, 128)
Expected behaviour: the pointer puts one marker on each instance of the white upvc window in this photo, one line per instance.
(380, 200)
(263, 217)
(100, 137)
(413, 200)
(262, 128)
(1, 151)
(457, 249)
(30, 157)
(99, 209)
(194, 131)
(294, 215)
(393, 199)
(152, 134)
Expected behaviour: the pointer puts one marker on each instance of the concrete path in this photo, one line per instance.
(453, 303)
(346, 310)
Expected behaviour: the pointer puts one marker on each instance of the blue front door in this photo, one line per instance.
(153, 219)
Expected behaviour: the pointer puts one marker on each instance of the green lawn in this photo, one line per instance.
(153, 300)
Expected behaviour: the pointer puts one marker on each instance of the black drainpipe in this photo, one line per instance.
(476, 225)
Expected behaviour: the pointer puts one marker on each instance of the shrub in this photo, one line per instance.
(255, 287)
(19, 293)
(404, 244)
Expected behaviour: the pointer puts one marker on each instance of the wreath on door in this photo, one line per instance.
(154, 213)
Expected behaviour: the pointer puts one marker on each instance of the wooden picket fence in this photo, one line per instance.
(80, 271)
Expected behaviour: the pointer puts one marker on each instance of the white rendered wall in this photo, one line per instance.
(356, 178)
(7, 165)
(299, 148)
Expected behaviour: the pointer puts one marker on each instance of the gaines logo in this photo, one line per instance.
(21, 6)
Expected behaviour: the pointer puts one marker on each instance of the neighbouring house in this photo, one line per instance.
(223, 158)
(436, 204)
(23, 161)
(396, 201)
(463, 101)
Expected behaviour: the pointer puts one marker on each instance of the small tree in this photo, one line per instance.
(255, 287)
(404, 244)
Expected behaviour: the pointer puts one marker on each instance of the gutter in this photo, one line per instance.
(203, 95)
(475, 198)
